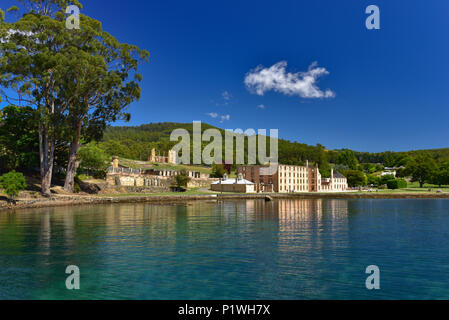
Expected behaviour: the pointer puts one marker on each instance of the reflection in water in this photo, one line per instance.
(286, 249)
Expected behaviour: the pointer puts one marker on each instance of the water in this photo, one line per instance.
(287, 249)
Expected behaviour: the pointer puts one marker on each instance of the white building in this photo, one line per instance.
(233, 185)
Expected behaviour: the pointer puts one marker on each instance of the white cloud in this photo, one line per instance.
(222, 117)
(303, 84)
(261, 106)
(226, 95)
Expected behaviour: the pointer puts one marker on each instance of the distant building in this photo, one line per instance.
(233, 185)
(336, 183)
(171, 158)
(290, 178)
(389, 173)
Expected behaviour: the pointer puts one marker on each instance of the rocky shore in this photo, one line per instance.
(66, 200)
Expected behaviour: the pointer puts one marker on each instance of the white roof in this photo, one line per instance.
(232, 181)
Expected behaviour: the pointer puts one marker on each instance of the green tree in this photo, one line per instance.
(355, 178)
(18, 139)
(441, 174)
(182, 179)
(348, 158)
(32, 65)
(101, 81)
(401, 173)
(13, 182)
(78, 80)
(373, 180)
(384, 179)
(369, 168)
(422, 169)
(218, 171)
(322, 161)
(93, 159)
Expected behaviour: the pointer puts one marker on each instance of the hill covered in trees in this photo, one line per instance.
(136, 142)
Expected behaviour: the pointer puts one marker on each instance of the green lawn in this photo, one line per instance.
(413, 187)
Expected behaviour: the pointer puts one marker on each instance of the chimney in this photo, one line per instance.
(115, 162)
(307, 163)
(332, 174)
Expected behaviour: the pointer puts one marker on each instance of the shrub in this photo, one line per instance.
(218, 171)
(93, 161)
(397, 184)
(13, 182)
(355, 178)
(386, 178)
(373, 180)
(76, 188)
(182, 179)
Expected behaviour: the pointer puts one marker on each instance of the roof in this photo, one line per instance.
(338, 175)
(232, 181)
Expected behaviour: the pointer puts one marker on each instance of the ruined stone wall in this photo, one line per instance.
(134, 180)
(200, 183)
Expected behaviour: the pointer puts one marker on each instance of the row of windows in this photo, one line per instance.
(293, 168)
(293, 189)
(297, 181)
(294, 175)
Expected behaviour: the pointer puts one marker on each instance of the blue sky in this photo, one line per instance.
(390, 87)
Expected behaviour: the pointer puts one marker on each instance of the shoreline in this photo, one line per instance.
(61, 201)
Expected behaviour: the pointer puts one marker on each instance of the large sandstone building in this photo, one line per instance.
(290, 178)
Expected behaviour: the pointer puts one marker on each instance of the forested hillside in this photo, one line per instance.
(137, 142)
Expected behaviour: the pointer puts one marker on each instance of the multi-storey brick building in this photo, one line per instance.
(290, 178)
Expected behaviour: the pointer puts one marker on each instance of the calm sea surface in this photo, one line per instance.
(287, 249)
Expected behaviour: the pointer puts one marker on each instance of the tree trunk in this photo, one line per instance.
(72, 166)
(46, 157)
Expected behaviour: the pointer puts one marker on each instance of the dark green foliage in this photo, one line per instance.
(19, 147)
(374, 180)
(422, 169)
(218, 171)
(441, 174)
(348, 158)
(76, 188)
(355, 178)
(401, 173)
(386, 178)
(13, 182)
(397, 184)
(93, 160)
(369, 168)
(182, 179)
(397, 159)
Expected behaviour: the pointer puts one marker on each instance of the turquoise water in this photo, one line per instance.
(287, 249)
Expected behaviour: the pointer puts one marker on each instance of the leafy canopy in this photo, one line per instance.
(13, 182)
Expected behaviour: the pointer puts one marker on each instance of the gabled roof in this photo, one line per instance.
(338, 175)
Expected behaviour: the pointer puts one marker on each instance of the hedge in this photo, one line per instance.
(397, 184)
